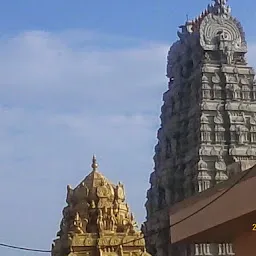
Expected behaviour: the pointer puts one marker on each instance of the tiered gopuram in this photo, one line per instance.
(208, 122)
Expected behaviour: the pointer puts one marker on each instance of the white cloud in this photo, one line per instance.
(41, 64)
(64, 97)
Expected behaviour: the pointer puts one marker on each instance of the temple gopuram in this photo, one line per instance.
(97, 221)
(208, 123)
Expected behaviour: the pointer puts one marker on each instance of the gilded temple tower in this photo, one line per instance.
(97, 221)
(208, 121)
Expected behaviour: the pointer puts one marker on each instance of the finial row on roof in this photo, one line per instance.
(219, 7)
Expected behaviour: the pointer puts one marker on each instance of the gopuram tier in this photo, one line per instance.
(97, 221)
(208, 123)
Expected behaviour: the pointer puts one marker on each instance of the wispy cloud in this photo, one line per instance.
(40, 64)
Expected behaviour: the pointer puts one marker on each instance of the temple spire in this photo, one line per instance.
(221, 7)
(94, 163)
(220, 2)
(98, 215)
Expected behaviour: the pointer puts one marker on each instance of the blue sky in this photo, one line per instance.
(77, 79)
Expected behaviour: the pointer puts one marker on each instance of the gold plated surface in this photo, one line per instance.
(97, 220)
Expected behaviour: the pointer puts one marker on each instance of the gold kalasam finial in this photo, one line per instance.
(94, 163)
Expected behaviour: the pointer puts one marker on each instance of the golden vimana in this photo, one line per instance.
(97, 221)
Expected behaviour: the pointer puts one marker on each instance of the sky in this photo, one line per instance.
(79, 78)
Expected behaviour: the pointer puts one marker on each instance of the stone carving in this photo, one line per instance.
(246, 93)
(104, 193)
(102, 224)
(202, 249)
(214, 152)
(206, 88)
(100, 221)
(220, 7)
(244, 107)
(205, 129)
(254, 92)
(216, 78)
(219, 128)
(245, 80)
(218, 119)
(222, 33)
(220, 165)
(241, 132)
(252, 121)
(234, 91)
(120, 192)
(237, 117)
(250, 151)
(220, 176)
(225, 249)
(226, 45)
(202, 165)
(204, 179)
(217, 90)
(77, 225)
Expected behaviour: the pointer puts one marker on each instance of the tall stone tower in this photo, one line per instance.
(208, 122)
(97, 221)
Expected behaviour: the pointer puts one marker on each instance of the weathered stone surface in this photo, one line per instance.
(208, 121)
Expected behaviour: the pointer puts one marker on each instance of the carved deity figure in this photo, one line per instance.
(235, 91)
(218, 119)
(115, 207)
(120, 192)
(220, 164)
(241, 132)
(246, 93)
(77, 225)
(100, 222)
(93, 205)
(226, 46)
(103, 193)
(229, 52)
(111, 221)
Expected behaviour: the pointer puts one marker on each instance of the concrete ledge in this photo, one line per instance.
(232, 213)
